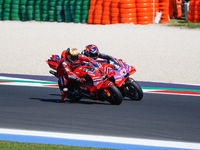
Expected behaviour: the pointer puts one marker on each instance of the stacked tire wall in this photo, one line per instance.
(85, 11)
(145, 11)
(164, 8)
(194, 11)
(45, 10)
(141, 12)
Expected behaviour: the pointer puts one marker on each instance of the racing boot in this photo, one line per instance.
(64, 94)
(63, 98)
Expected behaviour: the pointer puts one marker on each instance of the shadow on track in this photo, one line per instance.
(58, 100)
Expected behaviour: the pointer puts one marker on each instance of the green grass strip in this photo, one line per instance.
(6, 145)
(183, 23)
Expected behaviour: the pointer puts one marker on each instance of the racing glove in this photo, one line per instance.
(81, 80)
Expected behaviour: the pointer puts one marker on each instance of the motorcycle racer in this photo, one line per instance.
(93, 52)
(70, 59)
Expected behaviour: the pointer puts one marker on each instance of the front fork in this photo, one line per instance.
(123, 88)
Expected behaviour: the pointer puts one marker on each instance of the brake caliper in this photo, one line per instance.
(106, 92)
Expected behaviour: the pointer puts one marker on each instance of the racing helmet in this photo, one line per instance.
(92, 51)
(72, 54)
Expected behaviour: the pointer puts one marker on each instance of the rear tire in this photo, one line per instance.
(115, 97)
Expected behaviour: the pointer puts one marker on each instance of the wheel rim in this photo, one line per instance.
(111, 98)
(131, 92)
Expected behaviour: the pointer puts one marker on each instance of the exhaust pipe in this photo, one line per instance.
(53, 73)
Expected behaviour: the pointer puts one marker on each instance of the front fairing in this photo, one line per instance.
(94, 74)
(123, 72)
(53, 61)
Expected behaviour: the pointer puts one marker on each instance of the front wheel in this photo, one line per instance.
(115, 97)
(133, 91)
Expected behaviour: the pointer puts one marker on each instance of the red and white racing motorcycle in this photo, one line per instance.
(97, 85)
(127, 85)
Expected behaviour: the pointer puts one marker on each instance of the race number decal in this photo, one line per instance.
(123, 71)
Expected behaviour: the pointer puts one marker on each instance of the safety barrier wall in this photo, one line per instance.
(85, 11)
(164, 8)
(145, 11)
(127, 11)
(45, 10)
(194, 11)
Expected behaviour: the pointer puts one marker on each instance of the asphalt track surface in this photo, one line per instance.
(157, 116)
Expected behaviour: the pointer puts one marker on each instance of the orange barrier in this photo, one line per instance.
(194, 11)
(164, 8)
(146, 1)
(146, 11)
(91, 12)
(98, 12)
(128, 12)
(171, 8)
(106, 12)
(175, 8)
(178, 10)
(115, 14)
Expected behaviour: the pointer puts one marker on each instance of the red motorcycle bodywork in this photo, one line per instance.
(122, 73)
(99, 75)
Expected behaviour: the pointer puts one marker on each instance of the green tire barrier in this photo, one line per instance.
(60, 11)
(77, 11)
(45, 10)
(1, 9)
(23, 10)
(72, 8)
(6, 10)
(30, 9)
(52, 10)
(15, 10)
(85, 10)
(38, 11)
(67, 12)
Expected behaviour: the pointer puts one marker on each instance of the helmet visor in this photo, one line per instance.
(73, 58)
(94, 55)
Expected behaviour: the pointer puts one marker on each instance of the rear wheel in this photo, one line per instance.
(115, 97)
(133, 91)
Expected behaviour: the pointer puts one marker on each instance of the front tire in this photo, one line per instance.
(115, 97)
(133, 91)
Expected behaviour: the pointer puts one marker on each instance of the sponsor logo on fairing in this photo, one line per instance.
(57, 57)
(97, 79)
(95, 83)
(118, 80)
(123, 71)
(90, 72)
